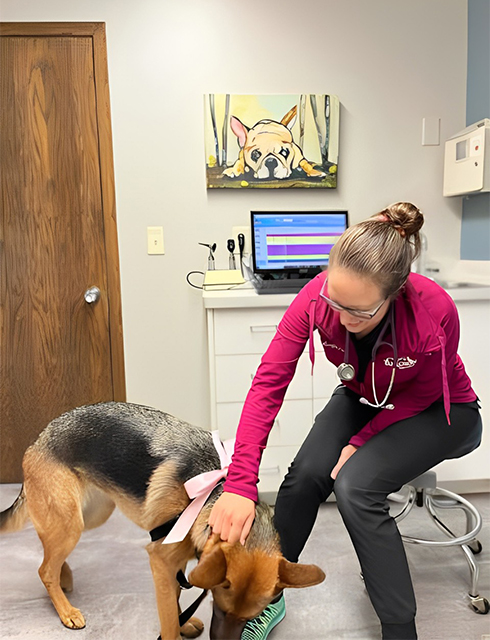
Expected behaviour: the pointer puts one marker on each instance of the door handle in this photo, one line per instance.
(92, 295)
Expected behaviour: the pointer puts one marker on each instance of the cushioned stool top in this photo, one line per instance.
(427, 480)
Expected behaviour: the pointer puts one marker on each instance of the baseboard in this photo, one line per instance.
(479, 485)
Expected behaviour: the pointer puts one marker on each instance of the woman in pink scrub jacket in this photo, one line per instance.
(405, 404)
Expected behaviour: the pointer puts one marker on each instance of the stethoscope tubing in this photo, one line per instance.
(346, 371)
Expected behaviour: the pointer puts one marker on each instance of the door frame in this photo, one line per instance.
(96, 31)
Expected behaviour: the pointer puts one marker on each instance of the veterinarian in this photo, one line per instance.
(405, 404)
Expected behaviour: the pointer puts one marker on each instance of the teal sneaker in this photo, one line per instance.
(260, 627)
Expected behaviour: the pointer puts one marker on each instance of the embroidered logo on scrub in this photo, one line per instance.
(334, 346)
(401, 363)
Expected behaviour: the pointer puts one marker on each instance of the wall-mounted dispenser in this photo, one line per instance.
(467, 160)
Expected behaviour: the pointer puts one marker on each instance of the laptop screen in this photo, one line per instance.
(294, 241)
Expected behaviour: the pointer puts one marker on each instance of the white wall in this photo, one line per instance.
(390, 62)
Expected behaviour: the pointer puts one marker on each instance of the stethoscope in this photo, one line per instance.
(346, 371)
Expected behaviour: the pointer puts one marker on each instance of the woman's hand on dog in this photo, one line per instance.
(232, 517)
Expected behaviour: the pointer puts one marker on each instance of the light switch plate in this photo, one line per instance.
(155, 241)
(431, 131)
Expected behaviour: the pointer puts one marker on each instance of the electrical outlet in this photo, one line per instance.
(155, 241)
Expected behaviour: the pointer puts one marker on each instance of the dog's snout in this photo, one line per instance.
(271, 164)
(225, 627)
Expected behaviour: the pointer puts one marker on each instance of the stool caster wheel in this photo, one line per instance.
(480, 605)
(475, 547)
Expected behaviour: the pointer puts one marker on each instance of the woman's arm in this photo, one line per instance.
(233, 514)
(263, 402)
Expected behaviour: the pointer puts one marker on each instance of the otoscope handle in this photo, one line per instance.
(241, 243)
(231, 248)
(241, 247)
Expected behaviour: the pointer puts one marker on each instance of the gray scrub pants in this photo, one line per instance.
(382, 466)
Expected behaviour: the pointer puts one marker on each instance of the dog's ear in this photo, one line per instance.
(239, 129)
(211, 569)
(290, 117)
(296, 575)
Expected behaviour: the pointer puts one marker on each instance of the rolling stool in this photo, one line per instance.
(423, 491)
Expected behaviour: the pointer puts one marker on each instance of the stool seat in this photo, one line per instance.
(423, 491)
(427, 480)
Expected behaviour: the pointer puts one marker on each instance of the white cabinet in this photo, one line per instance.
(235, 372)
(238, 336)
(471, 473)
(290, 426)
(324, 377)
(245, 330)
(241, 325)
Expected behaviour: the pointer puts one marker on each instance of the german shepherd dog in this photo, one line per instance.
(93, 458)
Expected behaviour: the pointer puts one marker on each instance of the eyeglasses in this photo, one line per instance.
(357, 313)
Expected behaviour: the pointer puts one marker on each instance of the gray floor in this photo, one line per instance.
(113, 585)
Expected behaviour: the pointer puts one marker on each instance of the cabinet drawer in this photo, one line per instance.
(291, 426)
(317, 341)
(324, 377)
(274, 466)
(318, 405)
(234, 375)
(245, 330)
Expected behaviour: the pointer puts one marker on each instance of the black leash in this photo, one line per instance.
(192, 608)
(157, 534)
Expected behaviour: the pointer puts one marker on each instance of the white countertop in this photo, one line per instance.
(245, 296)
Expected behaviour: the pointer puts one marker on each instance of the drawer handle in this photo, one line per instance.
(269, 471)
(263, 328)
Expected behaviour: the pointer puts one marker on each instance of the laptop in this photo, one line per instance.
(289, 248)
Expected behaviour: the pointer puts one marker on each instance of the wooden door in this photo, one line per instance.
(58, 231)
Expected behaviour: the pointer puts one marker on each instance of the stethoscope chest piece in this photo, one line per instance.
(346, 372)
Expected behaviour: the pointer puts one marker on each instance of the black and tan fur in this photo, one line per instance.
(94, 458)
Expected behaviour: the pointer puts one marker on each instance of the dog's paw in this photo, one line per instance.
(312, 172)
(230, 173)
(192, 628)
(74, 619)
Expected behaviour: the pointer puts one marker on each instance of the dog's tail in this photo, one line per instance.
(290, 115)
(15, 517)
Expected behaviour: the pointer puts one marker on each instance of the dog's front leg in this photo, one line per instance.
(238, 169)
(164, 578)
(309, 169)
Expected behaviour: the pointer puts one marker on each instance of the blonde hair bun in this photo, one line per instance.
(405, 217)
(383, 247)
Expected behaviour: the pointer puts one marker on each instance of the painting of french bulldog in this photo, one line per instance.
(297, 147)
(268, 150)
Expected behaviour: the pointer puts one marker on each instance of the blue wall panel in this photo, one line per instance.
(475, 228)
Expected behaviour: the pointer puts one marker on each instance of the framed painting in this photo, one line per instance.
(271, 141)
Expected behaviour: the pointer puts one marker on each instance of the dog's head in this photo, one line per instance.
(244, 582)
(268, 147)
